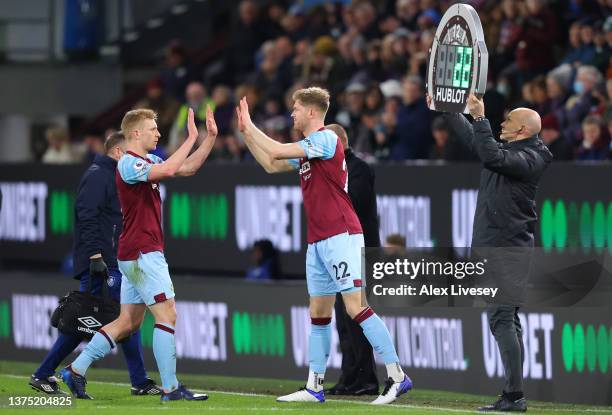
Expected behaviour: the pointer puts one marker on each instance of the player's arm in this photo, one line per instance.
(171, 166)
(270, 164)
(193, 163)
(276, 150)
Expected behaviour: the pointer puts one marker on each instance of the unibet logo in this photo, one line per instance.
(590, 348)
(61, 217)
(198, 216)
(258, 334)
(574, 226)
(89, 322)
(22, 217)
(406, 215)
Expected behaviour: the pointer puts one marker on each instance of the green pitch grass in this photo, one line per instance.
(229, 395)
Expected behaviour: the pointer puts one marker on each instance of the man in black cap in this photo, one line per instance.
(504, 223)
(358, 366)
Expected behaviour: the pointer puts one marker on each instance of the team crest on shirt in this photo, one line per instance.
(305, 170)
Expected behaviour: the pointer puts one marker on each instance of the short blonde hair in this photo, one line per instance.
(133, 117)
(314, 96)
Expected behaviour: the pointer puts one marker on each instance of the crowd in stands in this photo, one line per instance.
(552, 56)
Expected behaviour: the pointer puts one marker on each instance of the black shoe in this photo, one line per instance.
(504, 404)
(182, 393)
(147, 388)
(48, 386)
(337, 389)
(359, 389)
(75, 382)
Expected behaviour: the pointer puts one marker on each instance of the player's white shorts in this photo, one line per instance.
(145, 280)
(334, 265)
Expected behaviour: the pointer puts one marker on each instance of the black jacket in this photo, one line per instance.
(98, 220)
(362, 194)
(505, 209)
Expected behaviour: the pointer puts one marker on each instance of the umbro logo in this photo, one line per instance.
(47, 388)
(89, 322)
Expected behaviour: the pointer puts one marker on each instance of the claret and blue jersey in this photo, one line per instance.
(146, 278)
(334, 234)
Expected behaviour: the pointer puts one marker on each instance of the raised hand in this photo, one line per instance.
(244, 109)
(192, 130)
(211, 124)
(242, 113)
(475, 106)
(241, 125)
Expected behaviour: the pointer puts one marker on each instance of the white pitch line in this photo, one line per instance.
(408, 406)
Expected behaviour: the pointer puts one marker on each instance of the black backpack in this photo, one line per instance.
(82, 314)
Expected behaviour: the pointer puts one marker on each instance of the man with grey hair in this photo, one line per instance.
(585, 98)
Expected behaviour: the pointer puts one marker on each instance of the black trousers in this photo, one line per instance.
(506, 327)
(358, 365)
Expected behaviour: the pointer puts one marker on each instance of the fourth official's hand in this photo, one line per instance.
(475, 106)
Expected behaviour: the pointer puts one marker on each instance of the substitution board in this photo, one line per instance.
(458, 60)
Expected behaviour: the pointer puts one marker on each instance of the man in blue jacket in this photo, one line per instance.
(98, 224)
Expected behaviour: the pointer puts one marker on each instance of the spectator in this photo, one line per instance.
(177, 72)
(539, 33)
(539, 95)
(603, 50)
(164, 105)
(439, 131)
(269, 79)
(350, 116)
(294, 23)
(557, 85)
(508, 33)
(587, 45)
(59, 151)
(265, 261)
(594, 146)
(447, 146)
(573, 55)
(582, 102)
(198, 101)
(413, 131)
(555, 140)
(246, 37)
(94, 145)
(224, 108)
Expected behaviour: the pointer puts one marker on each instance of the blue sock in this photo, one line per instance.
(132, 350)
(165, 355)
(99, 346)
(378, 335)
(63, 346)
(319, 344)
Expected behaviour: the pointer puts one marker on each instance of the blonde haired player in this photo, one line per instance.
(145, 277)
(335, 238)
